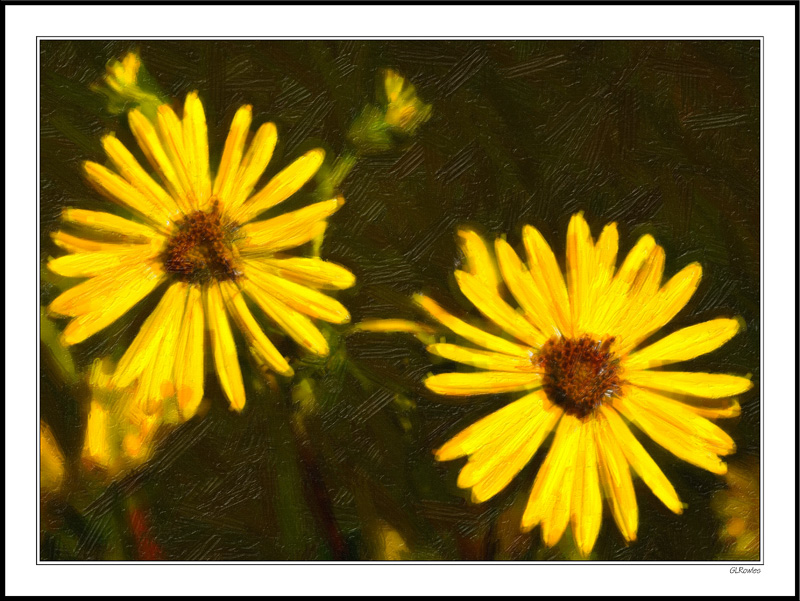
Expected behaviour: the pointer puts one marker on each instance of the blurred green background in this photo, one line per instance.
(660, 136)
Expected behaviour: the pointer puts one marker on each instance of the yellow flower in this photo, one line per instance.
(121, 430)
(404, 110)
(199, 235)
(51, 472)
(575, 352)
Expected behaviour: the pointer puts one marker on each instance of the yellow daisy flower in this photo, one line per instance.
(200, 235)
(575, 353)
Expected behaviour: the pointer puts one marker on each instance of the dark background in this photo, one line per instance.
(659, 136)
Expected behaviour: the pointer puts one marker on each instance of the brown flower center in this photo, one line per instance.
(202, 248)
(579, 375)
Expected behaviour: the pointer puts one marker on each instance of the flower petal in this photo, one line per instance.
(471, 333)
(615, 476)
(260, 346)
(288, 230)
(478, 261)
(309, 272)
(106, 223)
(548, 278)
(190, 363)
(226, 359)
(298, 326)
(490, 472)
(253, 164)
(684, 344)
(157, 378)
(148, 140)
(587, 506)
(145, 345)
(124, 194)
(549, 502)
(170, 130)
(495, 308)
(522, 287)
(676, 440)
(90, 264)
(580, 271)
(639, 460)
(282, 186)
(681, 417)
(232, 153)
(485, 382)
(494, 426)
(167, 210)
(117, 288)
(711, 386)
(195, 141)
(664, 306)
(301, 298)
(483, 359)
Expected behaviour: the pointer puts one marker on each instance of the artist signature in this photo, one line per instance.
(743, 570)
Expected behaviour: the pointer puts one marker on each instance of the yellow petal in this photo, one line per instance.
(549, 501)
(712, 386)
(639, 460)
(495, 308)
(309, 272)
(471, 333)
(484, 359)
(684, 344)
(232, 153)
(260, 346)
(586, 505)
(298, 326)
(157, 379)
(165, 208)
(679, 417)
(478, 261)
(51, 466)
(580, 271)
(548, 278)
(603, 273)
(615, 476)
(486, 382)
(282, 186)
(195, 140)
(148, 140)
(95, 294)
(89, 264)
(171, 133)
(96, 313)
(494, 426)
(302, 299)
(639, 301)
(226, 359)
(74, 244)
(146, 345)
(674, 439)
(522, 287)
(124, 194)
(189, 364)
(664, 306)
(488, 474)
(287, 230)
(609, 313)
(106, 223)
(253, 164)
